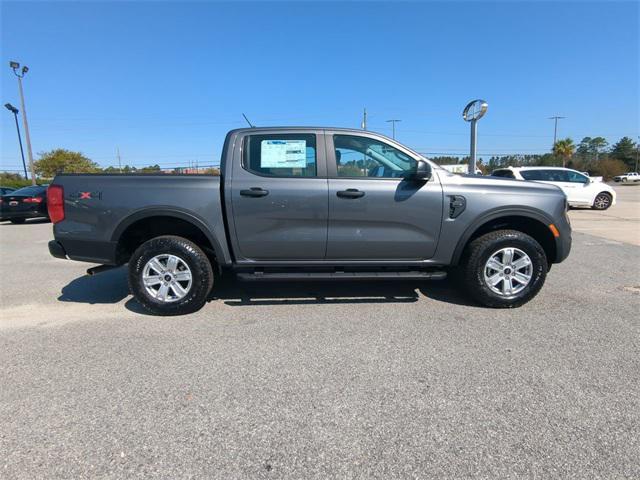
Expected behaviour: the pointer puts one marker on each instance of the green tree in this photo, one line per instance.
(150, 169)
(625, 150)
(61, 160)
(15, 180)
(564, 149)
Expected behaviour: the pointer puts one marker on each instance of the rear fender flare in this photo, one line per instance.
(221, 257)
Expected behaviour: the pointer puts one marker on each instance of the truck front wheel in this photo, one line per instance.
(504, 269)
(170, 275)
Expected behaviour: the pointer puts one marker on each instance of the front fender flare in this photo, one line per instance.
(495, 214)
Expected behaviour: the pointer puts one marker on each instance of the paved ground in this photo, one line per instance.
(620, 223)
(319, 380)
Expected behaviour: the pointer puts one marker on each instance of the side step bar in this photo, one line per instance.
(284, 276)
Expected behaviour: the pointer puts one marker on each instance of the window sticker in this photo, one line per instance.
(283, 154)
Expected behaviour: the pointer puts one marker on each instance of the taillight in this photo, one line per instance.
(55, 203)
(32, 200)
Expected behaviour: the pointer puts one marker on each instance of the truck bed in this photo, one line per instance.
(99, 208)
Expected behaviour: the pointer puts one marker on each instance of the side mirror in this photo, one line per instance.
(423, 171)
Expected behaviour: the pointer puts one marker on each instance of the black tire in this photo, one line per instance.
(478, 252)
(602, 201)
(195, 260)
(17, 221)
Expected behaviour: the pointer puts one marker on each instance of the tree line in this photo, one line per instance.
(592, 155)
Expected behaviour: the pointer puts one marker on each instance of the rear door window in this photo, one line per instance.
(545, 175)
(281, 155)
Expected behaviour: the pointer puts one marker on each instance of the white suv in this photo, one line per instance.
(578, 187)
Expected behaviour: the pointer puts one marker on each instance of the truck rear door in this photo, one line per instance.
(375, 212)
(278, 194)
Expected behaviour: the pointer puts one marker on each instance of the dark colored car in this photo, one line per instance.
(5, 190)
(26, 202)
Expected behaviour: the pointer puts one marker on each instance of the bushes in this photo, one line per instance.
(609, 168)
(13, 180)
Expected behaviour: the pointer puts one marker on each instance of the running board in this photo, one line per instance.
(284, 276)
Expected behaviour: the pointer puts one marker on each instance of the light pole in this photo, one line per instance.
(15, 111)
(555, 128)
(393, 124)
(20, 74)
(473, 112)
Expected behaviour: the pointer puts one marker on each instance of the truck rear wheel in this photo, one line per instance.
(170, 275)
(504, 269)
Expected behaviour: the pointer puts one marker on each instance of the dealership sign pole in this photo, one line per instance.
(473, 112)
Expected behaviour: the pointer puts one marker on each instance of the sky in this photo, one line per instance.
(162, 82)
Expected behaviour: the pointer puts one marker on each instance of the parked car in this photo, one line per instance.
(5, 190)
(311, 203)
(627, 177)
(24, 203)
(578, 187)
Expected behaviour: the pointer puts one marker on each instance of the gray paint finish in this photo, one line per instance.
(302, 221)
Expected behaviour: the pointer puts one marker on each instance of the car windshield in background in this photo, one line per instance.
(27, 191)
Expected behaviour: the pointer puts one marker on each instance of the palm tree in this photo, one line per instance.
(564, 149)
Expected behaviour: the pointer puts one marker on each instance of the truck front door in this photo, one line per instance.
(278, 194)
(375, 211)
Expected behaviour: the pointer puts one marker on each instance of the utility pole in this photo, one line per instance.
(15, 66)
(119, 159)
(555, 128)
(15, 111)
(393, 126)
(637, 149)
(364, 120)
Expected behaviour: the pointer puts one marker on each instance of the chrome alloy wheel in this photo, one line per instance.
(167, 278)
(508, 271)
(602, 201)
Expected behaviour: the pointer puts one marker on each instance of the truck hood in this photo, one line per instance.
(504, 185)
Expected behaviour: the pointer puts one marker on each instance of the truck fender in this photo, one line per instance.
(222, 255)
(495, 214)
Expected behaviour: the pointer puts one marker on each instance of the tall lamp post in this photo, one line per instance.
(20, 73)
(473, 112)
(15, 111)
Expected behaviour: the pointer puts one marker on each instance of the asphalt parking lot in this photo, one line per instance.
(324, 380)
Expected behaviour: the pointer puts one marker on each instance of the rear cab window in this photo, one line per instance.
(281, 155)
(503, 174)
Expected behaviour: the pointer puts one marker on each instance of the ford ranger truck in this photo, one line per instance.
(314, 204)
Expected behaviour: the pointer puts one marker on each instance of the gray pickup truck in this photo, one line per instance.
(313, 204)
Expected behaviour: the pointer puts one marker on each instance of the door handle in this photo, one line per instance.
(254, 192)
(350, 193)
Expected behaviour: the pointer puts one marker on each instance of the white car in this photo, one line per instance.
(628, 177)
(578, 187)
